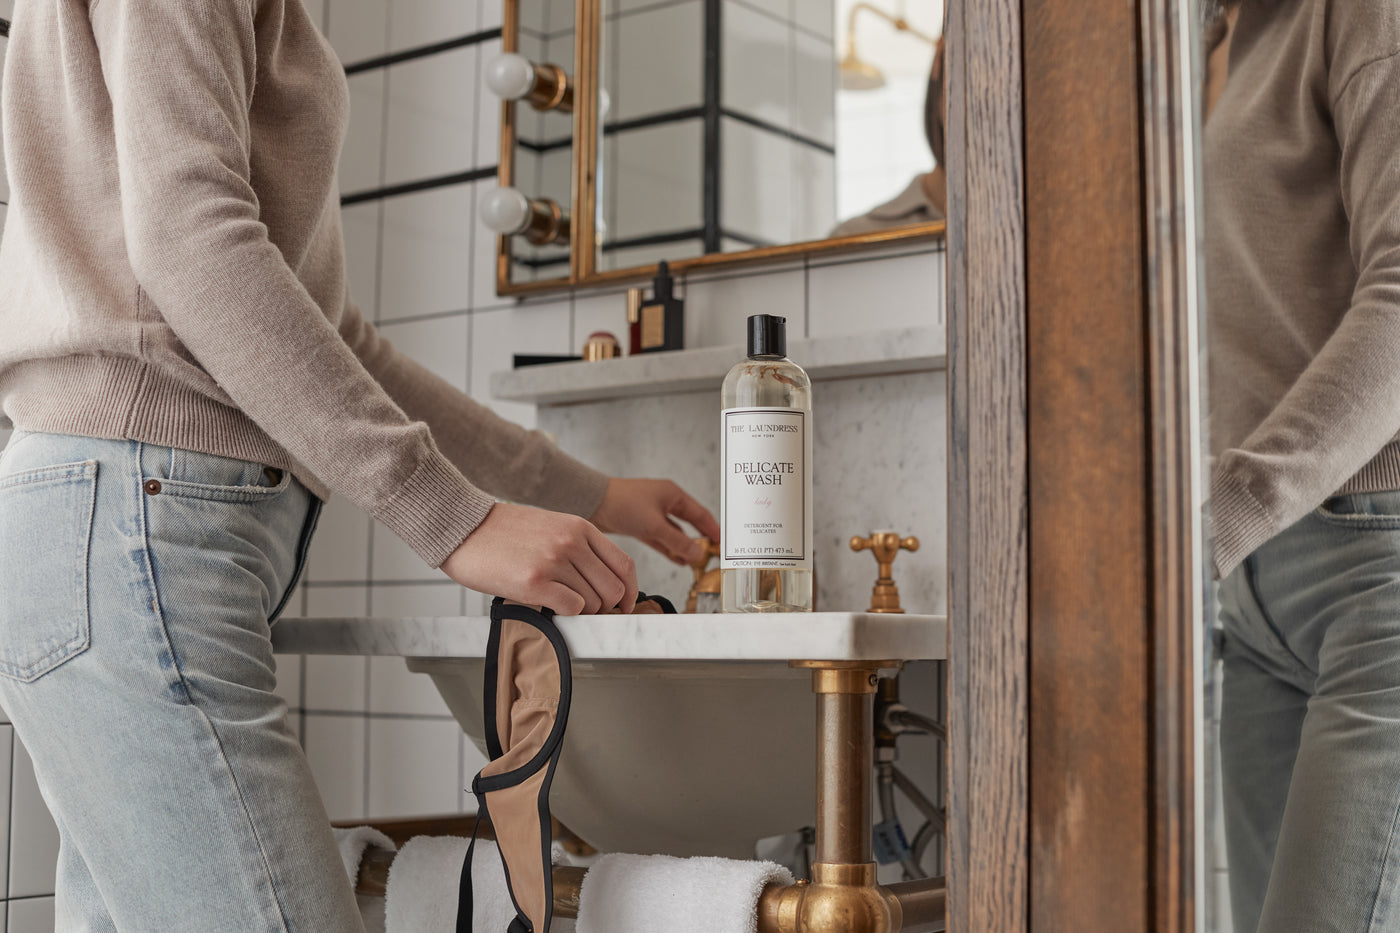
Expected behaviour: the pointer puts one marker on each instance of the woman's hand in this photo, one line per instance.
(544, 558)
(643, 509)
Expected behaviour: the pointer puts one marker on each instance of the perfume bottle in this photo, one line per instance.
(661, 319)
(766, 560)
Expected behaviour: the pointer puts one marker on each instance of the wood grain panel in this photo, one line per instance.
(1090, 663)
(987, 521)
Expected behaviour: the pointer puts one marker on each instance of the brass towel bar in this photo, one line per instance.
(842, 896)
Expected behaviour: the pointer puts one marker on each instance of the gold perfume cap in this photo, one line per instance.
(634, 305)
(601, 345)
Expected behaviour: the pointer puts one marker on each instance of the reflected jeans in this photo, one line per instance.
(137, 588)
(1310, 723)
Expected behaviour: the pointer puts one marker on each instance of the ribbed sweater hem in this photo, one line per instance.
(1241, 524)
(119, 398)
(116, 398)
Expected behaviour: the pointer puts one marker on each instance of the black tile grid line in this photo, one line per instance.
(713, 95)
(424, 51)
(413, 187)
(650, 7)
(761, 124)
(427, 316)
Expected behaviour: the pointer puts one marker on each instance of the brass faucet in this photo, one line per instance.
(886, 545)
(707, 580)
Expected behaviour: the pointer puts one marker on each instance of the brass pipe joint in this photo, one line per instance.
(839, 899)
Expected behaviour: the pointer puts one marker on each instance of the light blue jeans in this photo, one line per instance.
(1310, 723)
(137, 587)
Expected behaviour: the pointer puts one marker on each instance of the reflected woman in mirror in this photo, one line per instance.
(188, 378)
(1302, 204)
(926, 198)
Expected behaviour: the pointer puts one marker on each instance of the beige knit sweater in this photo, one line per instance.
(1302, 205)
(172, 268)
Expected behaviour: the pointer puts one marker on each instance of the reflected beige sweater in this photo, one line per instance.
(172, 268)
(1302, 206)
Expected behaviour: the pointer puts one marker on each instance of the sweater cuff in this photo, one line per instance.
(1239, 524)
(435, 509)
(570, 486)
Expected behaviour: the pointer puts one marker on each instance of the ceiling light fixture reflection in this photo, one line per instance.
(860, 75)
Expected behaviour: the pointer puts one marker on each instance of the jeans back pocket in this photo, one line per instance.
(45, 539)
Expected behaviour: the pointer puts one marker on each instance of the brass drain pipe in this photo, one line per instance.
(843, 895)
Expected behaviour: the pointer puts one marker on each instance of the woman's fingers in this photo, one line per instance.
(545, 558)
(688, 510)
(615, 565)
(577, 580)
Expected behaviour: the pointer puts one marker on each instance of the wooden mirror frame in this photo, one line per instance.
(1074, 543)
(585, 77)
(583, 264)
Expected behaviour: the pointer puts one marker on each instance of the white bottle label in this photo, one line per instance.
(766, 495)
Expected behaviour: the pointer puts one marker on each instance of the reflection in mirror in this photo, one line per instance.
(536, 84)
(735, 124)
(1302, 267)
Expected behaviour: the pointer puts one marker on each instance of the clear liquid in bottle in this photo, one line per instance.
(766, 491)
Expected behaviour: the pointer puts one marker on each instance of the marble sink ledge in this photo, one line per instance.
(828, 636)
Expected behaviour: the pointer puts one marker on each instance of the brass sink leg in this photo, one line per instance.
(843, 896)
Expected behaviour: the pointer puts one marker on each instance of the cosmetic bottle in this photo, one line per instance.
(662, 317)
(766, 560)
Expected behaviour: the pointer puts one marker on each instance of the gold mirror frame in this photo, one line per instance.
(583, 256)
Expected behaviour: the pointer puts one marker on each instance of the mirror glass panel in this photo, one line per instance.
(540, 142)
(1302, 272)
(730, 125)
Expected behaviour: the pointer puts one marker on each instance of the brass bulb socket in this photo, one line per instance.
(548, 224)
(552, 89)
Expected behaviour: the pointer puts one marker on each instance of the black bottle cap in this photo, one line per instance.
(767, 335)
(661, 284)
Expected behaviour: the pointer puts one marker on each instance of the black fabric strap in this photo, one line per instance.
(546, 758)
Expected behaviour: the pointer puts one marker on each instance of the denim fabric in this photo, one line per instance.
(1310, 723)
(137, 588)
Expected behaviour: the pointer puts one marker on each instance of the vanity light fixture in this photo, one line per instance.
(541, 220)
(860, 75)
(545, 87)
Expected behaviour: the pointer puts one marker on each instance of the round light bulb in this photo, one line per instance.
(510, 76)
(505, 211)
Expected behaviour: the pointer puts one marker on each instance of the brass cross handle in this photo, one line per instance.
(885, 545)
(711, 551)
(706, 580)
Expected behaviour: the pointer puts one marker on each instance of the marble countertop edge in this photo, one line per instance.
(703, 637)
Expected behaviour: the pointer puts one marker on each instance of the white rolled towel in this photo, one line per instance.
(647, 893)
(352, 844)
(421, 895)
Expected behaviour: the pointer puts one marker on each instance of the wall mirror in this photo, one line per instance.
(711, 132)
(533, 208)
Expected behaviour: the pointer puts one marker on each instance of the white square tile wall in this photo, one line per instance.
(362, 157)
(659, 165)
(655, 77)
(427, 236)
(378, 738)
(431, 116)
(335, 747)
(33, 836)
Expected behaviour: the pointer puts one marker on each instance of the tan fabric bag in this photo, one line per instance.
(528, 686)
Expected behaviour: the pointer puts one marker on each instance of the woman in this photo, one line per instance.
(1303, 273)
(188, 379)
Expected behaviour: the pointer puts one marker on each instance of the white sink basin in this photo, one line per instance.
(688, 735)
